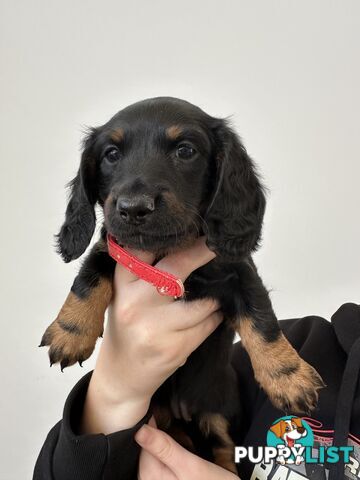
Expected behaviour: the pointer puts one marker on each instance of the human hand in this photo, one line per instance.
(164, 459)
(147, 338)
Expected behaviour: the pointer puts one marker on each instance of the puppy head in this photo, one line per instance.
(293, 428)
(165, 172)
(279, 428)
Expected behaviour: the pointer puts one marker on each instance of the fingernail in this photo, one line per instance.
(143, 435)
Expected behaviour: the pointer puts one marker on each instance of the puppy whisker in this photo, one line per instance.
(200, 217)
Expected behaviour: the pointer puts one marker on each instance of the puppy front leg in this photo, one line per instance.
(73, 334)
(291, 384)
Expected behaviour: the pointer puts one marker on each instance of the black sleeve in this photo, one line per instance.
(68, 456)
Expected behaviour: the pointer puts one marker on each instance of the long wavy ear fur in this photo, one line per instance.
(80, 219)
(235, 214)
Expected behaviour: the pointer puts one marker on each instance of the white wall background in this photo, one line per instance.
(289, 73)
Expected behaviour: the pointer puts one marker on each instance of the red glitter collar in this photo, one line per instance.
(166, 283)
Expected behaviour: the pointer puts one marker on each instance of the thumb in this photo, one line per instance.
(164, 448)
(150, 467)
(183, 262)
(123, 275)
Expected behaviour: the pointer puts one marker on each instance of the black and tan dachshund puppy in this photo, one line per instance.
(164, 173)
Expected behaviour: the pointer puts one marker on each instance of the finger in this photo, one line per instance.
(124, 276)
(151, 467)
(194, 336)
(183, 262)
(188, 314)
(164, 448)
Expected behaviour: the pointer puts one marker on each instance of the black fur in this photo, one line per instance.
(235, 214)
(80, 220)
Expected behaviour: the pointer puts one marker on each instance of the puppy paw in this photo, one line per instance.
(67, 344)
(294, 388)
(72, 336)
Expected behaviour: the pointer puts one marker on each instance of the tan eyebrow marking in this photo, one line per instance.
(173, 132)
(117, 135)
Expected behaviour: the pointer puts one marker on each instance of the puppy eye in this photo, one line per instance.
(185, 151)
(112, 155)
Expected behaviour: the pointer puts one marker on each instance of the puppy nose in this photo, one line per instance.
(135, 209)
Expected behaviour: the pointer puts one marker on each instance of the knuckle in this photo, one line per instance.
(206, 305)
(216, 317)
(164, 449)
(212, 304)
(177, 359)
(174, 352)
(126, 312)
(211, 324)
(183, 361)
(167, 358)
(173, 358)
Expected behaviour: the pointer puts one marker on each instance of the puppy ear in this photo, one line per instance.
(278, 429)
(80, 219)
(235, 214)
(297, 421)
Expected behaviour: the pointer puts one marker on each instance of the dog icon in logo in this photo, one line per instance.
(289, 431)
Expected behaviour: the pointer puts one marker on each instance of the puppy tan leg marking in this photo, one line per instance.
(216, 425)
(163, 417)
(72, 336)
(291, 384)
(178, 434)
(166, 422)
